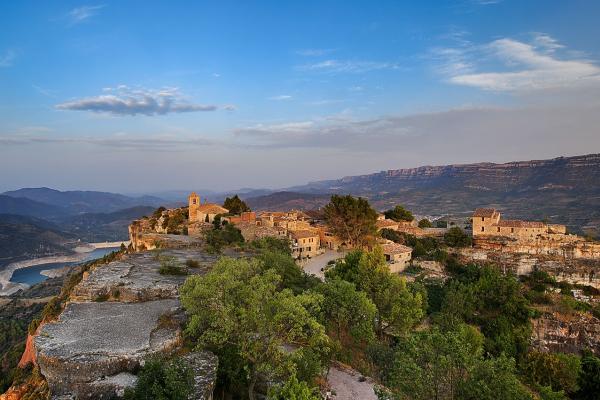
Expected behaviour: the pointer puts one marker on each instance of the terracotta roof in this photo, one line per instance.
(395, 248)
(520, 224)
(484, 212)
(303, 234)
(211, 208)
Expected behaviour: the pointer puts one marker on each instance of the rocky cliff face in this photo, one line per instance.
(119, 314)
(578, 271)
(566, 334)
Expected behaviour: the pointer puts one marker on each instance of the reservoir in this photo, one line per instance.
(31, 275)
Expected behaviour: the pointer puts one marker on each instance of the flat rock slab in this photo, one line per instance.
(136, 277)
(94, 341)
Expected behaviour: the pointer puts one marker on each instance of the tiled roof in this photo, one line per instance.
(484, 212)
(395, 248)
(303, 234)
(520, 224)
(211, 208)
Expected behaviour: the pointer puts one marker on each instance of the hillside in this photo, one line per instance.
(564, 190)
(287, 201)
(24, 206)
(101, 227)
(75, 202)
(26, 237)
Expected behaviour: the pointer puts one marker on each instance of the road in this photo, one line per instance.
(314, 266)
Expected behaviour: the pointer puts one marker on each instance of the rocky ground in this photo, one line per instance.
(120, 314)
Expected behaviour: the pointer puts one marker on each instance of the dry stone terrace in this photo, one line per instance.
(114, 320)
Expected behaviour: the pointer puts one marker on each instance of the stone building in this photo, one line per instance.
(487, 221)
(398, 256)
(305, 243)
(203, 212)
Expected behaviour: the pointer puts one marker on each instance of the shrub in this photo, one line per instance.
(162, 379)
(456, 237)
(169, 266)
(192, 263)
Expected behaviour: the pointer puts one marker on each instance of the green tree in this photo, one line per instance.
(557, 370)
(351, 219)
(398, 214)
(238, 305)
(235, 205)
(162, 380)
(348, 310)
(293, 389)
(292, 276)
(216, 239)
(589, 378)
(270, 243)
(434, 364)
(398, 309)
(456, 237)
(493, 379)
(425, 223)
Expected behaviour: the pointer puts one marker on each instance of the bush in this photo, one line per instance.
(456, 237)
(169, 266)
(425, 223)
(161, 379)
(192, 263)
(270, 243)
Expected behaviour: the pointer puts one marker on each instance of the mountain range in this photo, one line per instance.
(562, 190)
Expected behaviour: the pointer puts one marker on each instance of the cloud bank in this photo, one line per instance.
(128, 101)
(516, 66)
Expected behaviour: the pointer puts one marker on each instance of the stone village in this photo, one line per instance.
(529, 242)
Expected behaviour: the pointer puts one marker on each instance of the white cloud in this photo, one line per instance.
(7, 59)
(83, 13)
(124, 100)
(314, 52)
(281, 97)
(347, 66)
(519, 66)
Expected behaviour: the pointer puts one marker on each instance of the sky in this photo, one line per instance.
(146, 96)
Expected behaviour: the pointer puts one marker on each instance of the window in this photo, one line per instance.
(498, 229)
(482, 219)
(512, 230)
(482, 228)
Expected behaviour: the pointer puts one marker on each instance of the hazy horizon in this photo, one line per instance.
(238, 95)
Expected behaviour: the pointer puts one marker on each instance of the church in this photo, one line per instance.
(203, 212)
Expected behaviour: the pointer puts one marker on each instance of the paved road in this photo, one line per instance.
(313, 267)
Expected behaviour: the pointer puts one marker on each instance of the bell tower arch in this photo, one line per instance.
(193, 204)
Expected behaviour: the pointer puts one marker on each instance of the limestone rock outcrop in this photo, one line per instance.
(558, 333)
(118, 315)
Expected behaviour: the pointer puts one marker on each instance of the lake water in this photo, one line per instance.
(31, 275)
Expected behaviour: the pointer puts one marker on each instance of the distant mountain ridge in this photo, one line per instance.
(563, 190)
(77, 201)
(562, 172)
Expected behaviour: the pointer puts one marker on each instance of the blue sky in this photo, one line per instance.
(138, 96)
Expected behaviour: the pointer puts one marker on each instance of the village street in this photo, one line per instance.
(316, 265)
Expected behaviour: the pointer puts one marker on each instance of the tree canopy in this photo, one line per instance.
(425, 223)
(238, 306)
(398, 214)
(351, 219)
(456, 237)
(235, 205)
